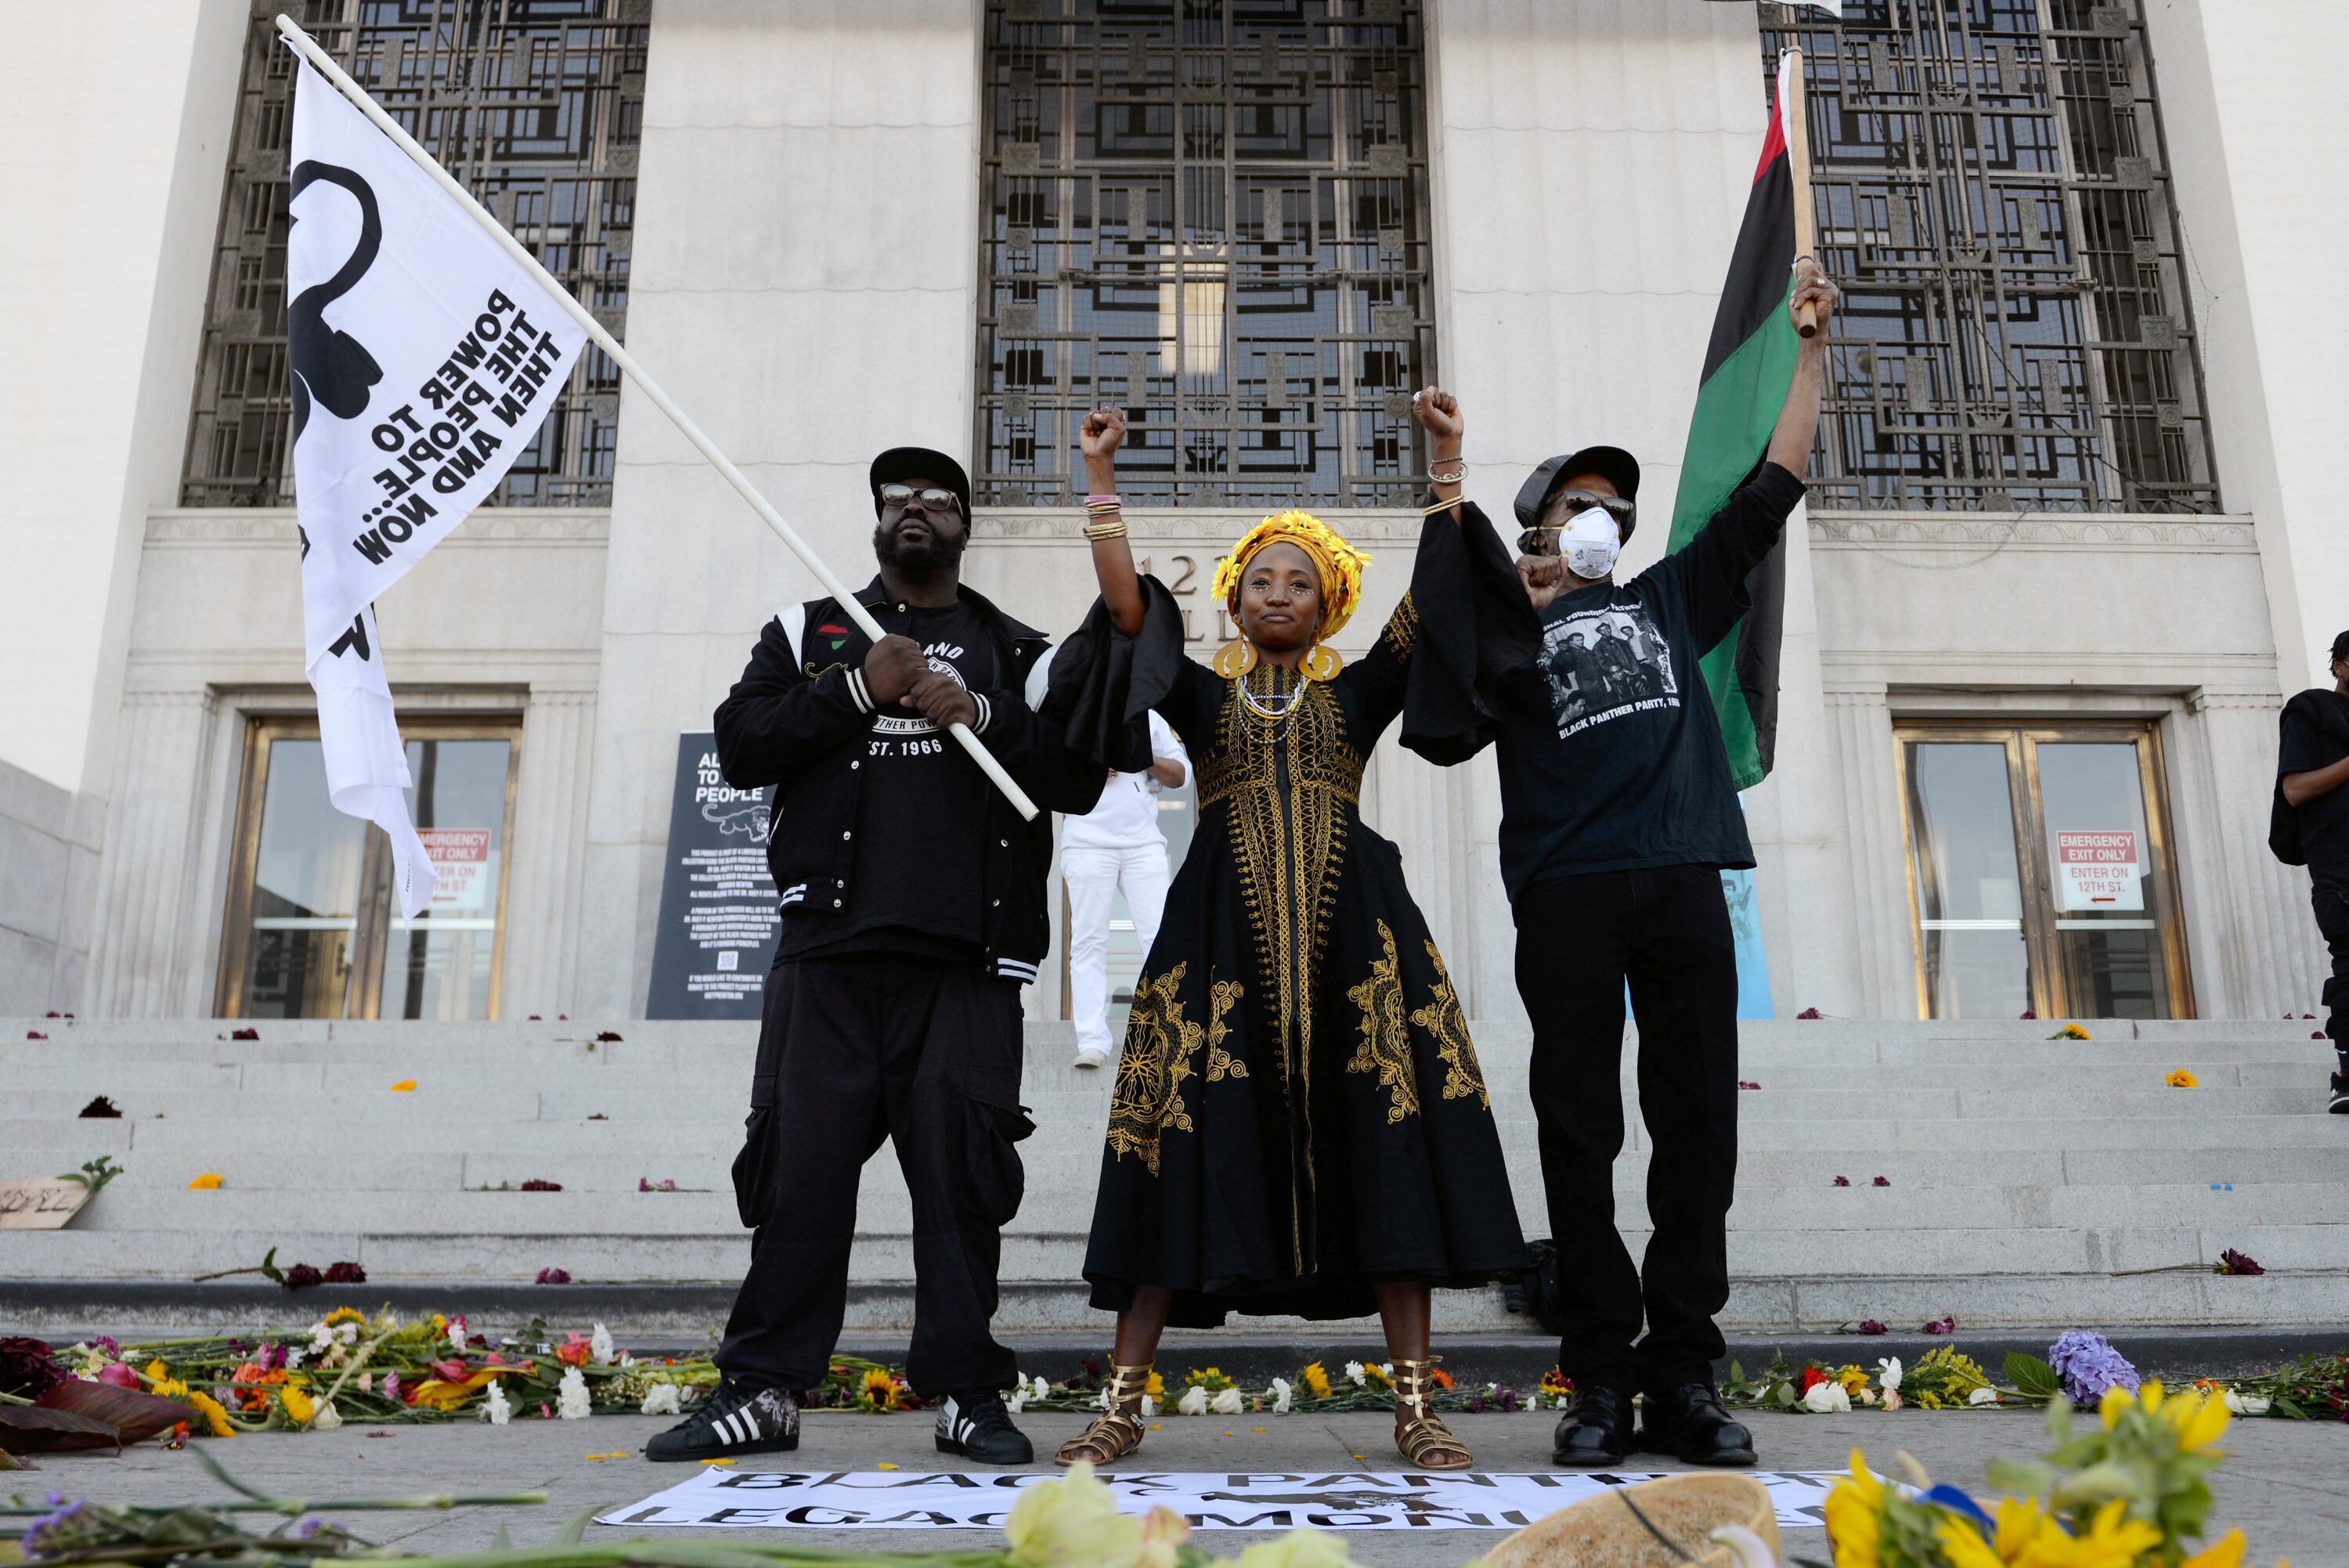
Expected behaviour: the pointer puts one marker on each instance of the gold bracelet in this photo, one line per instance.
(1097, 532)
(1458, 473)
(1441, 506)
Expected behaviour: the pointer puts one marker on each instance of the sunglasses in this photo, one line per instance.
(900, 497)
(1536, 541)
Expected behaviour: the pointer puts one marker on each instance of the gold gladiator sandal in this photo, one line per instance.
(1116, 1433)
(1424, 1440)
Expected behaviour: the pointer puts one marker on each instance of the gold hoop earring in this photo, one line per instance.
(1322, 662)
(1233, 659)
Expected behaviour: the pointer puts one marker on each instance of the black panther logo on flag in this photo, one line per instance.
(330, 366)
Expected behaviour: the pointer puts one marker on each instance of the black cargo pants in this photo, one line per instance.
(855, 1049)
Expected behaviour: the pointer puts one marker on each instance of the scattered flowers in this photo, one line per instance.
(346, 1274)
(1282, 1393)
(405, 1086)
(1194, 1401)
(99, 1106)
(1314, 1380)
(1871, 1325)
(540, 1184)
(1827, 1396)
(555, 1277)
(29, 1368)
(1808, 1013)
(1942, 1325)
(573, 1400)
(2071, 1032)
(574, 1350)
(2231, 1262)
(495, 1410)
(1843, 1181)
(2089, 1367)
(661, 1400)
(209, 1182)
(1747, 1083)
(600, 1347)
(646, 1184)
(2178, 1078)
(244, 1034)
(1227, 1403)
(302, 1276)
(1883, 1181)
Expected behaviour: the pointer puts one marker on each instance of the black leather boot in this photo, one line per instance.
(1596, 1431)
(1688, 1422)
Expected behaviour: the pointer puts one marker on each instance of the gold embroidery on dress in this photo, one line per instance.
(1401, 633)
(1291, 852)
(1385, 1047)
(1442, 1020)
(1221, 996)
(1159, 1046)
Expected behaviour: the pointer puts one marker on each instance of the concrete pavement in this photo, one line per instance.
(2286, 1483)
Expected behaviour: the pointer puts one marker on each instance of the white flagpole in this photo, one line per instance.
(602, 339)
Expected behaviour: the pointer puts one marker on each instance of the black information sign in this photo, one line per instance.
(718, 915)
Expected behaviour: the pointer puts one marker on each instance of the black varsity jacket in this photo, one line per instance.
(798, 720)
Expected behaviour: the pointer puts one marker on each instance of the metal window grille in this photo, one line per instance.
(537, 106)
(1993, 196)
(1213, 214)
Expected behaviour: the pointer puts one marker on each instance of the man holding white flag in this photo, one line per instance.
(424, 359)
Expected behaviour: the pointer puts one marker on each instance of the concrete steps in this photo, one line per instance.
(2029, 1176)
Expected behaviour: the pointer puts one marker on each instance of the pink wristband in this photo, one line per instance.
(1092, 499)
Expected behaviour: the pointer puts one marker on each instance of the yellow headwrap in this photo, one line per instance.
(1337, 564)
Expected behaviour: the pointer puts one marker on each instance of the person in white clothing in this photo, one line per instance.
(1116, 846)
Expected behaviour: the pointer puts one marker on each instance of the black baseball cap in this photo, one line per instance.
(920, 462)
(1615, 465)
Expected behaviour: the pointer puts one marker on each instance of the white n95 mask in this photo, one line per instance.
(1591, 542)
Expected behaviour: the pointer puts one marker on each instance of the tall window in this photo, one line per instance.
(537, 106)
(1214, 213)
(1993, 196)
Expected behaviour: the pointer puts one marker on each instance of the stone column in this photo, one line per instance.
(548, 854)
(2252, 942)
(144, 952)
(1883, 938)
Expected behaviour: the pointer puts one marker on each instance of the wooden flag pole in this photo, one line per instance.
(1798, 165)
(602, 339)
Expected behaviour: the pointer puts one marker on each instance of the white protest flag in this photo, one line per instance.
(424, 359)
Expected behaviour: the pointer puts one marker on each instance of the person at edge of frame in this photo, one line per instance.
(913, 910)
(2311, 764)
(1617, 815)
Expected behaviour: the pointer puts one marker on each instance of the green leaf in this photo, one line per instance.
(2059, 1419)
(2031, 1375)
(2285, 1408)
(1736, 1372)
(577, 1527)
(269, 1267)
(2024, 1478)
(501, 1541)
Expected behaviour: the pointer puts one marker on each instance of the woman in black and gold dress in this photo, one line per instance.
(1300, 1124)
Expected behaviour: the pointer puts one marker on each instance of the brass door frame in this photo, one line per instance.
(2034, 872)
(363, 992)
(2018, 808)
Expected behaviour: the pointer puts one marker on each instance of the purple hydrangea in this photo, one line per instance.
(2088, 1365)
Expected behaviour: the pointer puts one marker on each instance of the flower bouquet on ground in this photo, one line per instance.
(2132, 1492)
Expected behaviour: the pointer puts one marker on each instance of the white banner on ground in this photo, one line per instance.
(424, 359)
(1260, 1499)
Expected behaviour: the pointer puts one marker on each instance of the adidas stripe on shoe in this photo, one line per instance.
(735, 1420)
(977, 1427)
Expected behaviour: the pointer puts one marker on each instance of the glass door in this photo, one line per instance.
(311, 932)
(2039, 872)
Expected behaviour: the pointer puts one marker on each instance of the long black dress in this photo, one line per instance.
(1298, 1111)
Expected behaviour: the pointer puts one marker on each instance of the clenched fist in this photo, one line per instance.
(892, 667)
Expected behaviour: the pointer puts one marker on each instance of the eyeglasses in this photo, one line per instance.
(900, 497)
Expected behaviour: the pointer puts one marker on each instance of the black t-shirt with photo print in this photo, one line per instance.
(921, 817)
(1610, 756)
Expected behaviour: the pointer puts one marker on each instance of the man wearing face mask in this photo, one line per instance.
(1618, 814)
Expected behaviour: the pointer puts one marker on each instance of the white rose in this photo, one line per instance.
(1982, 1396)
(571, 1401)
(1281, 1391)
(1044, 1390)
(1888, 1374)
(1827, 1399)
(327, 1417)
(1227, 1403)
(1192, 1403)
(1149, 1405)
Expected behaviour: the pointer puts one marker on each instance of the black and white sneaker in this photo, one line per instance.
(2340, 1103)
(977, 1427)
(735, 1419)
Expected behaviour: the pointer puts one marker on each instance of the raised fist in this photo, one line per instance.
(1103, 433)
(1440, 411)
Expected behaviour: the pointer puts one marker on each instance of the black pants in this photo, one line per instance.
(1580, 938)
(2329, 893)
(852, 1050)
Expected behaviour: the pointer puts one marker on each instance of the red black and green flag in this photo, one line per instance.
(1748, 365)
